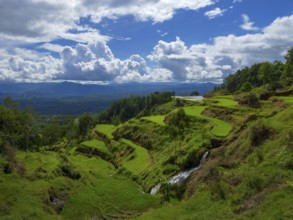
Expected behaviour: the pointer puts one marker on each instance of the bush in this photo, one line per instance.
(266, 95)
(68, 169)
(287, 139)
(255, 183)
(259, 133)
(170, 169)
(250, 100)
(219, 189)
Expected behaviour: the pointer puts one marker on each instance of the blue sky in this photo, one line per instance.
(120, 41)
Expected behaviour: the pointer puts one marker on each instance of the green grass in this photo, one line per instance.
(159, 119)
(24, 199)
(96, 166)
(48, 161)
(96, 193)
(220, 128)
(194, 110)
(141, 160)
(102, 193)
(264, 189)
(235, 177)
(286, 99)
(106, 129)
(200, 206)
(101, 146)
(222, 101)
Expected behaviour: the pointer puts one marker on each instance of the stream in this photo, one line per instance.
(180, 177)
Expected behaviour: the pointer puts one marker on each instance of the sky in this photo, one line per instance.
(104, 41)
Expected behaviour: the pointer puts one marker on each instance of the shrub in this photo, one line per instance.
(170, 169)
(259, 133)
(255, 183)
(219, 189)
(287, 139)
(265, 95)
(250, 100)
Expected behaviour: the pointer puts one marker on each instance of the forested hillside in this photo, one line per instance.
(229, 156)
(270, 76)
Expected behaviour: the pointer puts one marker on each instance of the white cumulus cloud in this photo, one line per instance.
(217, 12)
(31, 21)
(170, 60)
(247, 24)
(96, 62)
(226, 54)
(21, 65)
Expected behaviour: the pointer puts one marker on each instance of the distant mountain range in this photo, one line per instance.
(76, 89)
(74, 98)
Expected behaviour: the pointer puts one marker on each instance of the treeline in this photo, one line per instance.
(125, 109)
(272, 76)
(25, 130)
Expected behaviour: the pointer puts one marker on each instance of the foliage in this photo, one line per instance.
(194, 93)
(273, 76)
(104, 173)
(259, 133)
(127, 108)
(246, 87)
(85, 123)
(249, 100)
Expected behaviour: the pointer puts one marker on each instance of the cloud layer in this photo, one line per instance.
(46, 20)
(226, 54)
(91, 59)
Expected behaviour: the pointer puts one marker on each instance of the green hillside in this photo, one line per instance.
(105, 166)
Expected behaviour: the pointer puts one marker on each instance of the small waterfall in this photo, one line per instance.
(182, 176)
(155, 189)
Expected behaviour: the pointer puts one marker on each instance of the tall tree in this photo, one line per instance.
(287, 76)
(265, 72)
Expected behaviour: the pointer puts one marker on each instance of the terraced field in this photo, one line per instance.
(220, 128)
(159, 119)
(96, 144)
(106, 129)
(141, 160)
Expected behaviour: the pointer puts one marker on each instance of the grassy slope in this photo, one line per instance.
(220, 128)
(106, 129)
(246, 182)
(98, 192)
(101, 146)
(159, 119)
(238, 181)
(101, 193)
(141, 160)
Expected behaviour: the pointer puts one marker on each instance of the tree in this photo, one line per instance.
(85, 123)
(52, 133)
(178, 119)
(194, 93)
(10, 103)
(246, 87)
(264, 72)
(287, 76)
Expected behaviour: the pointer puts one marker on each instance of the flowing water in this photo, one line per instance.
(180, 177)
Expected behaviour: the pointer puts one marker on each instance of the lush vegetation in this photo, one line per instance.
(127, 108)
(104, 167)
(270, 76)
